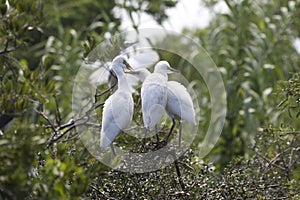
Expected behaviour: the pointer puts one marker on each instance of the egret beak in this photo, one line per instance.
(172, 70)
(127, 65)
(132, 72)
(129, 44)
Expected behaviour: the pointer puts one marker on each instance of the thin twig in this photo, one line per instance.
(290, 133)
(47, 119)
(98, 105)
(72, 123)
(178, 171)
(102, 193)
(55, 139)
(8, 50)
(58, 118)
(105, 91)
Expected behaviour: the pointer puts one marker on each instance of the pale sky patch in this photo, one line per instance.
(187, 14)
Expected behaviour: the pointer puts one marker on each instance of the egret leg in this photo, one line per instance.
(113, 149)
(171, 130)
(179, 133)
(178, 172)
(144, 139)
(156, 134)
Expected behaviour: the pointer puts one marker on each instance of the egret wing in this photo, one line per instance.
(117, 115)
(154, 99)
(179, 102)
(101, 74)
(123, 109)
(143, 59)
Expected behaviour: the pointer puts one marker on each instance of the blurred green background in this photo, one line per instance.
(42, 45)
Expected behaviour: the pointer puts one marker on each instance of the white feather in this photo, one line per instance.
(179, 103)
(118, 108)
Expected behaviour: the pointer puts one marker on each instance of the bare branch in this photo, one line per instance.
(47, 119)
(105, 91)
(58, 118)
(102, 193)
(290, 133)
(8, 50)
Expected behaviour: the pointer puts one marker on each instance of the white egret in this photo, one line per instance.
(179, 102)
(154, 94)
(179, 105)
(118, 108)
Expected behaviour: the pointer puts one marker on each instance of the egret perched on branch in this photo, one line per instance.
(154, 94)
(179, 105)
(118, 108)
(179, 102)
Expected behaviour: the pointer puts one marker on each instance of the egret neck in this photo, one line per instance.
(122, 82)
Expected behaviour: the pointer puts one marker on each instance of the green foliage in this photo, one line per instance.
(252, 46)
(18, 23)
(17, 158)
(59, 179)
(291, 91)
(272, 172)
(42, 44)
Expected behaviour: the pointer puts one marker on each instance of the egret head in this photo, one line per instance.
(163, 67)
(119, 63)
